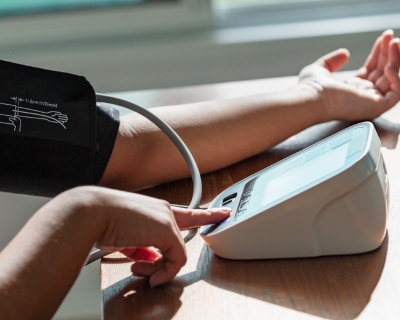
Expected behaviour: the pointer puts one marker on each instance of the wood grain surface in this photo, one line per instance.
(363, 286)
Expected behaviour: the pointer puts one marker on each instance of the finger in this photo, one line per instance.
(383, 84)
(375, 75)
(334, 60)
(174, 255)
(394, 53)
(142, 254)
(383, 56)
(393, 77)
(392, 68)
(372, 59)
(391, 99)
(362, 73)
(175, 258)
(189, 218)
(147, 268)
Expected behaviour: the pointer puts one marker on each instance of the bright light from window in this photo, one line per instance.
(227, 3)
(22, 6)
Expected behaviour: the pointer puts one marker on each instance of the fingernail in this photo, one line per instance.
(223, 210)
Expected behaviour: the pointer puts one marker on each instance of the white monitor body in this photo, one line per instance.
(331, 198)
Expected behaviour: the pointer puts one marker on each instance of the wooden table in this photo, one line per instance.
(364, 286)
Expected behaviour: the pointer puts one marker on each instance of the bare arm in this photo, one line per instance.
(41, 263)
(220, 133)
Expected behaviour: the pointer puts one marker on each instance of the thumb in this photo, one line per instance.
(334, 60)
(189, 218)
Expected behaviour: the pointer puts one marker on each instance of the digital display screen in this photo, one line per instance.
(293, 175)
(298, 174)
(304, 175)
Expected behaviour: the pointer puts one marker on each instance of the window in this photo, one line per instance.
(80, 20)
(232, 13)
(27, 6)
(62, 21)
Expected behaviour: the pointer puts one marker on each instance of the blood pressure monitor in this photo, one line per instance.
(331, 198)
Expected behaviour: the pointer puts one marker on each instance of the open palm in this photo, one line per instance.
(374, 90)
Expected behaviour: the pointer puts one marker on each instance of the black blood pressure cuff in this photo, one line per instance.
(53, 136)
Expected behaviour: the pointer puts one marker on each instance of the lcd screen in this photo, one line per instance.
(306, 174)
(271, 187)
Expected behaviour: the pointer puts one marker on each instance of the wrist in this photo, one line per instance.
(82, 208)
(313, 94)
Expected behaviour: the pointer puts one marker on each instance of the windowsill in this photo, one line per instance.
(307, 29)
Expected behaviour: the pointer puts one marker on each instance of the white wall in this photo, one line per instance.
(189, 57)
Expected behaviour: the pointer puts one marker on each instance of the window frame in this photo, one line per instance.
(227, 16)
(193, 18)
(81, 25)
(183, 16)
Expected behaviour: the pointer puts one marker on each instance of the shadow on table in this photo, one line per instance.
(388, 132)
(337, 287)
(132, 298)
(334, 287)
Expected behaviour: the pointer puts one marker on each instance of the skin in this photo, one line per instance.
(142, 152)
(60, 235)
(41, 263)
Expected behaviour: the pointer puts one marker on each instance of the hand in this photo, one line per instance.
(374, 90)
(134, 220)
(149, 260)
(58, 116)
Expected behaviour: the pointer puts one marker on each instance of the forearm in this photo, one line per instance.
(218, 133)
(41, 263)
(46, 256)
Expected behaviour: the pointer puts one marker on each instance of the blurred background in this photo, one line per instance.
(143, 44)
(122, 45)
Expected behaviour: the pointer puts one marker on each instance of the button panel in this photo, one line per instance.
(244, 203)
(245, 198)
(247, 193)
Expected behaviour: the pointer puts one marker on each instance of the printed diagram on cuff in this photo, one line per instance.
(12, 114)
